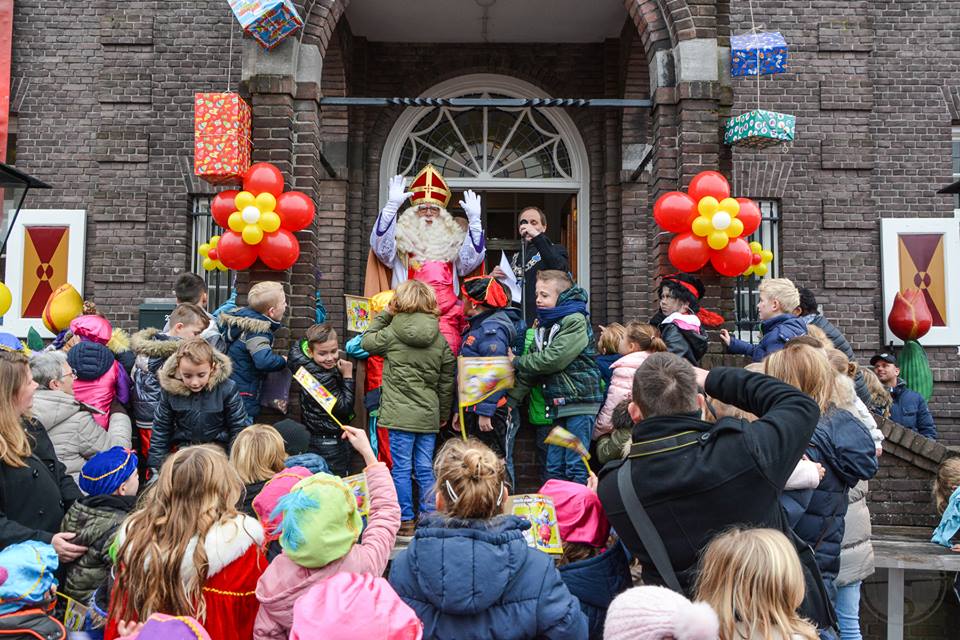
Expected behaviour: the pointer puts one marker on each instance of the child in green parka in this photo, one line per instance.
(561, 362)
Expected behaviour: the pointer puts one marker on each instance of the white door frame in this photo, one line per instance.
(513, 87)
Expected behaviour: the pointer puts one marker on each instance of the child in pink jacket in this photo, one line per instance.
(319, 528)
(100, 378)
(639, 341)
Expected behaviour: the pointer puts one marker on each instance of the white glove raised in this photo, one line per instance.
(398, 193)
(471, 205)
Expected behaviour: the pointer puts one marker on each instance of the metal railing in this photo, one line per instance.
(219, 283)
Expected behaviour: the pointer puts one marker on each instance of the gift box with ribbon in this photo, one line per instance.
(756, 53)
(758, 129)
(267, 21)
(221, 137)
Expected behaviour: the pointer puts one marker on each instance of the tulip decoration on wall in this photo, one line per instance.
(760, 260)
(261, 220)
(711, 225)
(910, 319)
(211, 256)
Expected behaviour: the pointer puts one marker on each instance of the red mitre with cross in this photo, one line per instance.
(429, 188)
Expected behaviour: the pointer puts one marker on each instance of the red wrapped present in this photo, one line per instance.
(221, 126)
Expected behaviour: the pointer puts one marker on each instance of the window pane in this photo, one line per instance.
(219, 283)
(746, 294)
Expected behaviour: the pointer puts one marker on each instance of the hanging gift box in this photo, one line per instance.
(752, 53)
(267, 21)
(221, 124)
(758, 129)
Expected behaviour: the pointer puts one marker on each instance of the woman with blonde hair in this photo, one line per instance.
(880, 398)
(188, 552)
(257, 454)
(35, 489)
(840, 443)
(754, 581)
(468, 572)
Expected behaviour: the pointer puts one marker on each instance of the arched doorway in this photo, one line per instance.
(515, 157)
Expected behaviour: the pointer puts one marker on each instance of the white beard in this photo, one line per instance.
(424, 241)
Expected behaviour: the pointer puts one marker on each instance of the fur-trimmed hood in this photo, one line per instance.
(245, 320)
(153, 344)
(171, 384)
(119, 341)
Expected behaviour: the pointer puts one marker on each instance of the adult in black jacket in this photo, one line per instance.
(35, 490)
(540, 254)
(696, 479)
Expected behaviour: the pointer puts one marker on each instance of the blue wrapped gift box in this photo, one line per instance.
(267, 21)
(764, 53)
(758, 129)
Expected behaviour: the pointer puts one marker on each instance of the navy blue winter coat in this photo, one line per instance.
(845, 448)
(473, 579)
(489, 334)
(776, 332)
(603, 363)
(910, 410)
(248, 336)
(596, 582)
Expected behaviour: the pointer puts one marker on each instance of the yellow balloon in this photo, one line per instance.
(766, 255)
(221, 266)
(755, 247)
(735, 230)
(707, 206)
(204, 249)
(235, 222)
(252, 234)
(730, 205)
(243, 200)
(213, 241)
(718, 240)
(209, 264)
(266, 202)
(701, 226)
(760, 269)
(748, 271)
(6, 298)
(269, 221)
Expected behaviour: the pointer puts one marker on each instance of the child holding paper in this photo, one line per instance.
(319, 354)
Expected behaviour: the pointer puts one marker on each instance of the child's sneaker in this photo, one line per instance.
(407, 529)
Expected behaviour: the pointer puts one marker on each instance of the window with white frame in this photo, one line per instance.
(219, 283)
(746, 293)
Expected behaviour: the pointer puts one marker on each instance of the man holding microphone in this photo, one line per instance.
(536, 253)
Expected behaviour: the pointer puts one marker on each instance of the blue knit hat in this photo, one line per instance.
(105, 472)
(29, 568)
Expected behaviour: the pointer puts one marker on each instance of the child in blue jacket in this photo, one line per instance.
(778, 298)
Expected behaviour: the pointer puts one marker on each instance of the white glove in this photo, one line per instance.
(396, 197)
(471, 204)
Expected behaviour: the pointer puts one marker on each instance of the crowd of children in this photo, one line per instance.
(244, 530)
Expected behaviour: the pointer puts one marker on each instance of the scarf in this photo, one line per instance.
(547, 317)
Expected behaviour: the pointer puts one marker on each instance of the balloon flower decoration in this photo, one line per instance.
(711, 225)
(211, 257)
(910, 319)
(759, 261)
(261, 220)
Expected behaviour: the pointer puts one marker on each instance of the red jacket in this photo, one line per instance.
(236, 561)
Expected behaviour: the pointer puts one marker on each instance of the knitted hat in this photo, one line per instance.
(296, 438)
(351, 605)
(652, 613)
(689, 289)
(487, 291)
(275, 488)
(580, 516)
(320, 521)
(103, 474)
(30, 567)
(90, 360)
(160, 626)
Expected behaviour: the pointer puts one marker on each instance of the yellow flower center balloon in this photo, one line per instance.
(760, 260)
(254, 216)
(717, 221)
(211, 257)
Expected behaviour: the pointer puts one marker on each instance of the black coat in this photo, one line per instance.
(34, 499)
(734, 474)
(689, 345)
(318, 421)
(214, 415)
(541, 254)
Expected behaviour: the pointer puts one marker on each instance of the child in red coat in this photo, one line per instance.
(190, 516)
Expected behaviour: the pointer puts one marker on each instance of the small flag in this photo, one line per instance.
(562, 438)
(317, 391)
(479, 378)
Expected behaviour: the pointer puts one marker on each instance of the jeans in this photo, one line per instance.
(412, 453)
(542, 431)
(848, 611)
(564, 464)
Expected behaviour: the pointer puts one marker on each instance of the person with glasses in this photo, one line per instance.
(76, 436)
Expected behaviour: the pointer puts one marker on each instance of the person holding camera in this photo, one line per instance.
(537, 253)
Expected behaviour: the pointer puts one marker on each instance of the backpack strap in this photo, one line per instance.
(668, 443)
(645, 528)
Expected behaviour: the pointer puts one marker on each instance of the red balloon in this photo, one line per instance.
(749, 215)
(732, 260)
(296, 210)
(279, 250)
(689, 252)
(757, 259)
(263, 177)
(234, 252)
(675, 211)
(213, 254)
(709, 183)
(222, 206)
